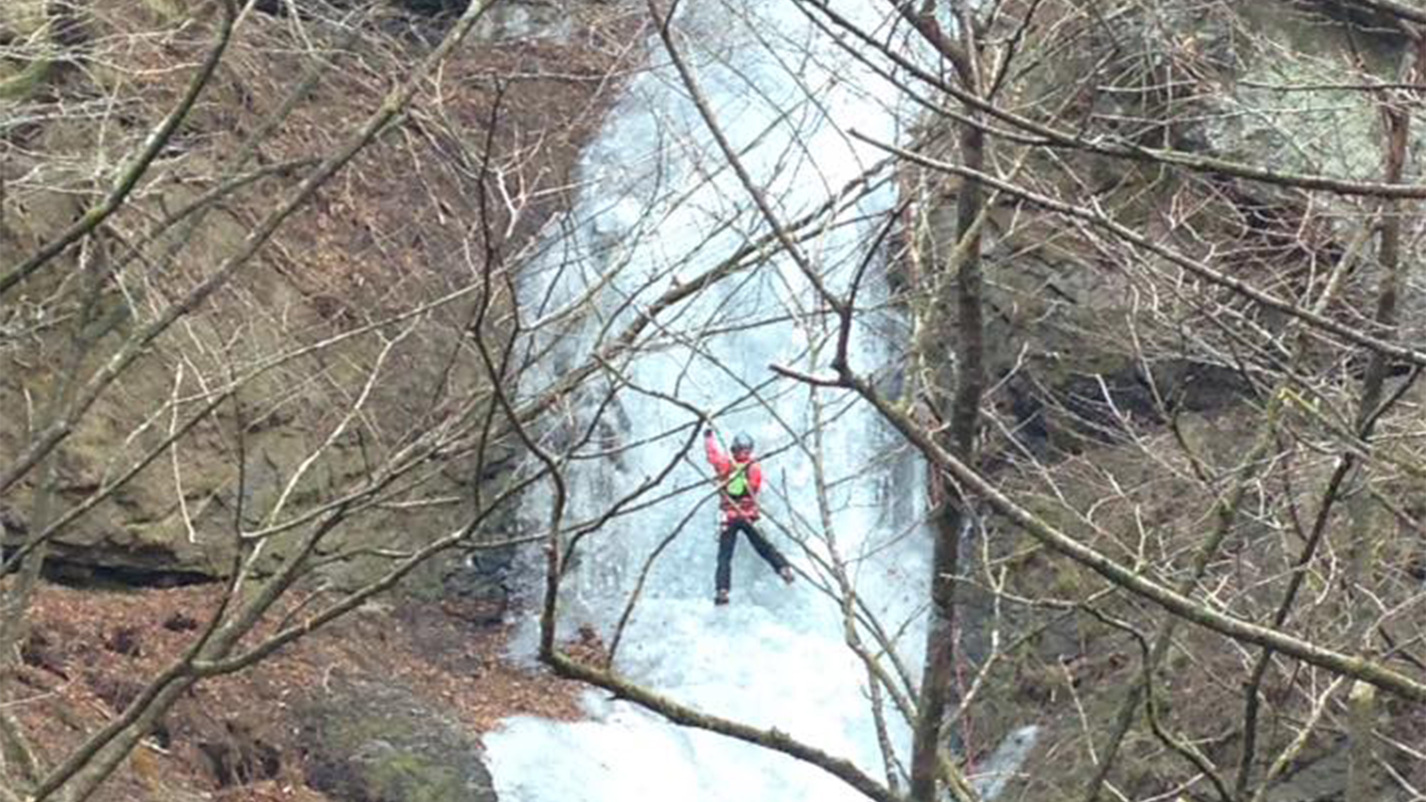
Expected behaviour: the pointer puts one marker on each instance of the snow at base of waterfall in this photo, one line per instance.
(743, 662)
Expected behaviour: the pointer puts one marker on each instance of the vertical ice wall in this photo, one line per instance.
(658, 205)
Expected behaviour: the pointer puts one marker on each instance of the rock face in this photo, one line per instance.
(1094, 347)
(1218, 80)
(394, 239)
(379, 743)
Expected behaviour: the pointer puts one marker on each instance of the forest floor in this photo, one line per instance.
(241, 738)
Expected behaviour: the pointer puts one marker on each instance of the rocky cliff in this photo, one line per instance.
(315, 379)
(1129, 396)
(345, 336)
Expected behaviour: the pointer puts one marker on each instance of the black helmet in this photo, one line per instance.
(742, 442)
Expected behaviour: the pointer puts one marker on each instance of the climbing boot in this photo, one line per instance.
(786, 574)
(721, 598)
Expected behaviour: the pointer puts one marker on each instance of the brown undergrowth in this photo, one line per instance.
(239, 738)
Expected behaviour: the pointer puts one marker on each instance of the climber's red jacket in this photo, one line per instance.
(742, 507)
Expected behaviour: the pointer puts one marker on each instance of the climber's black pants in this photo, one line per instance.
(728, 538)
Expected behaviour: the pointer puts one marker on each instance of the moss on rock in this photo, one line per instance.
(381, 743)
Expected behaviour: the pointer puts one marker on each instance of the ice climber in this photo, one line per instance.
(739, 481)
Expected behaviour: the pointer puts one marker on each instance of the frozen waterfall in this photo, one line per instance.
(658, 206)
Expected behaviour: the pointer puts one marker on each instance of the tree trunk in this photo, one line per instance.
(1361, 712)
(938, 691)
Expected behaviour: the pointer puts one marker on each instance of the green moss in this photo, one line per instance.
(379, 742)
(168, 10)
(412, 777)
(19, 84)
(1068, 582)
(23, 19)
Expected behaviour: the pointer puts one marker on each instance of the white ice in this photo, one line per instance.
(655, 195)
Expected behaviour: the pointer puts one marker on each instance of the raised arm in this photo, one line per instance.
(716, 457)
